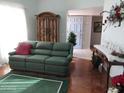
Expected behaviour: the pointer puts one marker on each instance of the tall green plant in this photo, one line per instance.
(72, 38)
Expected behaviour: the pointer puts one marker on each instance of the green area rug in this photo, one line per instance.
(15, 83)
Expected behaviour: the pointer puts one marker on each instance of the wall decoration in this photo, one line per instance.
(97, 26)
(116, 14)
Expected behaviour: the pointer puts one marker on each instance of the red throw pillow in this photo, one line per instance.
(23, 48)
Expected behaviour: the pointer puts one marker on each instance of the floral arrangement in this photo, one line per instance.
(116, 13)
(118, 81)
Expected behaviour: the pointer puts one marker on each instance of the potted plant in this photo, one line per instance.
(72, 38)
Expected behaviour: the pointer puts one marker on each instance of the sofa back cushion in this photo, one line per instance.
(41, 51)
(44, 45)
(60, 53)
(33, 43)
(61, 46)
(61, 49)
(42, 48)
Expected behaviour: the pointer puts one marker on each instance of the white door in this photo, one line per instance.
(75, 24)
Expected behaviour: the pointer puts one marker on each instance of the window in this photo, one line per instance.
(13, 29)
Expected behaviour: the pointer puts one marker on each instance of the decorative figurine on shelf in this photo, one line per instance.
(116, 14)
(114, 53)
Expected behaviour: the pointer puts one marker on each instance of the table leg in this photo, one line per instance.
(108, 73)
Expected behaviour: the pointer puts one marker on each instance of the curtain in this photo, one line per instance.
(13, 29)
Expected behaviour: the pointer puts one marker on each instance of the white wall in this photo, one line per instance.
(61, 7)
(112, 34)
(87, 11)
(30, 7)
(87, 25)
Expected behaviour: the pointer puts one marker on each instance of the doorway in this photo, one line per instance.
(75, 25)
(80, 22)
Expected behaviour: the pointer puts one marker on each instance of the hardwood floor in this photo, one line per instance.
(83, 78)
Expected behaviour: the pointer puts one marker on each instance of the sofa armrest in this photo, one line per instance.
(12, 53)
(69, 57)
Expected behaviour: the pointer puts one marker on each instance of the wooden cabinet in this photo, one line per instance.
(48, 27)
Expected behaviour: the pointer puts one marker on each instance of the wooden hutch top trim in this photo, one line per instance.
(47, 14)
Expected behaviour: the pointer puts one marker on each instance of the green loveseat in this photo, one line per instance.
(46, 57)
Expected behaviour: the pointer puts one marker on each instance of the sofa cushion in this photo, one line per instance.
(61, 61)
(61, 46)
(32, 66)
(59, 70)
(18, 57)
(41, 51)
(33, 43)
(19, 65)
(60, 53)
(37, 58)
(23, 48)
(44, 45)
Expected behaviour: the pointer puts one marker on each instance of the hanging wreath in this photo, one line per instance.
(116, 14)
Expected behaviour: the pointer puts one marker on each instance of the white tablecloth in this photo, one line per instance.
(115, 70)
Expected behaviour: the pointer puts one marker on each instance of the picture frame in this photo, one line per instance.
(97, 27)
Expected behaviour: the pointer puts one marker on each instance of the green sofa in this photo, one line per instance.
(46, 57)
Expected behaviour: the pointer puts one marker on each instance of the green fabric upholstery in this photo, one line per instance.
(61, 46)
(30, 66)
(60, 53)
(36, 58)
(44, 45)
(60, 61)
(41, 51)
(33, 43)
(45, 57)
(69, 57)
(59, 70)
(20, 65)
(18, 57)
(12, 53)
